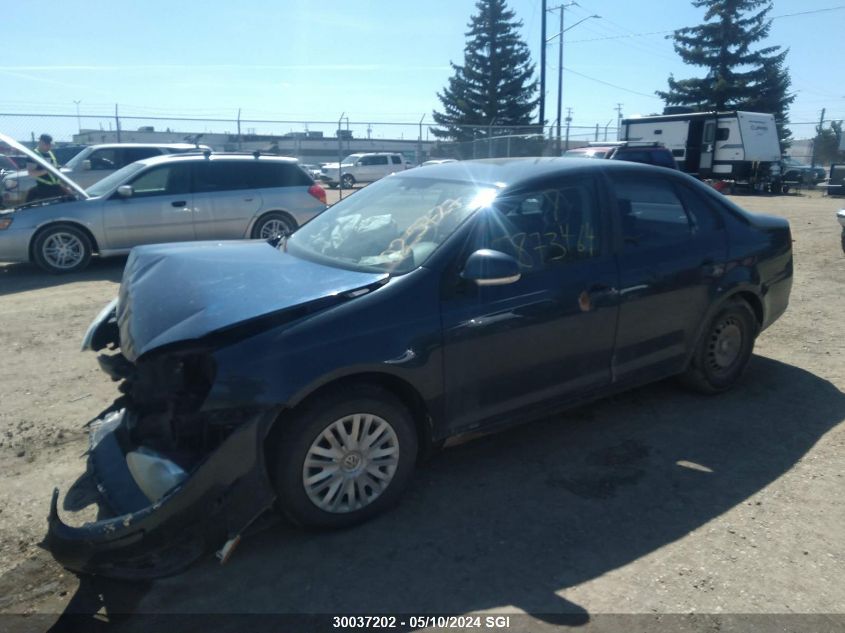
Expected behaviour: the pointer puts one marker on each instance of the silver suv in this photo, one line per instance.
(92, 164)
(163, 199)
(361, 168)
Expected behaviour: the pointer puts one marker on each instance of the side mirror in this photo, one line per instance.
(487, 267)
(86, 165)
(125, 191)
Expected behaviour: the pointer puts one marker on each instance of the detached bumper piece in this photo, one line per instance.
(209, 505)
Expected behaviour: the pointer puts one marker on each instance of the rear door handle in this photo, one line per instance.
(179, 203)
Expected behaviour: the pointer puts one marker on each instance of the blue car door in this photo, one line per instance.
(672, 254)
(547, 337)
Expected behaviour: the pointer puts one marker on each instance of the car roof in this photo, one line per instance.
(509, 172)
(165, 145)
(201, 156)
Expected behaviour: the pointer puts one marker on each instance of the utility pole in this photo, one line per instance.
(340, 154)
(815, 140)
(419, 143)
(117, 122)
(618, 120)
(543, 70)
(240, 141)
(568, 121)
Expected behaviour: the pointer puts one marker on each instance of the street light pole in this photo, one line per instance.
(562, 8)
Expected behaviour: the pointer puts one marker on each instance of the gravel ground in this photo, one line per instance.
(653, 502)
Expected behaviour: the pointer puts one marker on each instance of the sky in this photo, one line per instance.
(374, 61)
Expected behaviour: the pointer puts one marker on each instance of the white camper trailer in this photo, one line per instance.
(741, 147)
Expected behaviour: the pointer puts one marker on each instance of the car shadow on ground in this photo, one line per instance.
(511, 519)
(24, 277)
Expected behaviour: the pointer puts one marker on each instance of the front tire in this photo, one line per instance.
(348, 181)
(724, 350)
(343, 458)
(62, 248)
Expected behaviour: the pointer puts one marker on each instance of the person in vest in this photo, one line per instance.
(46, 184)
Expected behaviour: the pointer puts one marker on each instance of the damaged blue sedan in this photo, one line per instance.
(308, 375)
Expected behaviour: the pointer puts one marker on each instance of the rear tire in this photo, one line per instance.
(344, 457)
(272, 225)
(723, 352)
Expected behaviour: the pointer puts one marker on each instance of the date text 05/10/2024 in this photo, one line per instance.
(422, 622)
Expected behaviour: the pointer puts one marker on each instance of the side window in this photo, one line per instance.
(546, 227)
(650, 212)
(104, 159)
(161, 180)
(704, 217)
(397, 160)
(266, 174)
(131, 154)
(379, 160)
(366, 160)
(723, 134)
(220, 175)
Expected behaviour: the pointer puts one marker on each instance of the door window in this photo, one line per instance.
(650, 212)
(545, 227)
(131, 154)
(161, 180)
(103, 159)
(397, 160)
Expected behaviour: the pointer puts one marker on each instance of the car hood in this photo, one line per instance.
(178, 292)
(71, 186)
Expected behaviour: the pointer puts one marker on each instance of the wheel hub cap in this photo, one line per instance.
(351, 463)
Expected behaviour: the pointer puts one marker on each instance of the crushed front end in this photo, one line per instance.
(175, 480)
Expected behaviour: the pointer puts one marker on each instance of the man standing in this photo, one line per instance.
(46, 184)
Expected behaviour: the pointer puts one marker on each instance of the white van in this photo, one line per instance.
(362, 168)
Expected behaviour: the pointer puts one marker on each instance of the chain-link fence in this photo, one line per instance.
(327, 141)
(309, 141)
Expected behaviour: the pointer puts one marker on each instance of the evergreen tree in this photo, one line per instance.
(826, 144)
(738, 78)
(494, 84)
(773, 96)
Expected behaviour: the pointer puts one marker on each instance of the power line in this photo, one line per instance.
(789, 15)
(648, 33)
(607, 83)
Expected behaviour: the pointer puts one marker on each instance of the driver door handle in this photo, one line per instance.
(179, 203)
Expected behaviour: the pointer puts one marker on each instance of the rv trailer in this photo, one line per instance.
(738, 147)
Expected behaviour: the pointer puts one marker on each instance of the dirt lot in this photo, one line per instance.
(657, 501)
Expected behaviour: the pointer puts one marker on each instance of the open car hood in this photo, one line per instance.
(71, 186)
(178, 292)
